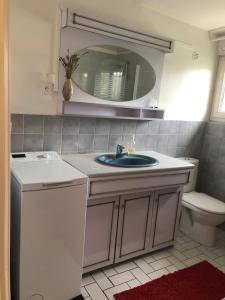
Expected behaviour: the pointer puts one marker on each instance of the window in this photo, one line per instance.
(218, 111)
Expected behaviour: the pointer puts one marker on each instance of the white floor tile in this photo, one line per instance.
(109, 272)
(121, 278)
(87, 279)
(84, 292)
(116, 289)
(149, 258)
(220, 260)
(102, 280)
(95, 292)
(125, 267)
(146, 268)
(192, 252)
(176, 262)
(177, 254)
(172, 269)
(158, 274)
(161, 254)
(192, 261)
(222, 269)
(219, 252)
(133, 283)
(102, 285)
(160, 264)
(208, 252)
(140, 275)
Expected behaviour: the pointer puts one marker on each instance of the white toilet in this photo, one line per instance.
(200, 212)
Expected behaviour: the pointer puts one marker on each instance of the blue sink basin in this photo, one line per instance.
(128, 161)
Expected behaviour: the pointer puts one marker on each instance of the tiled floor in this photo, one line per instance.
(103, 284)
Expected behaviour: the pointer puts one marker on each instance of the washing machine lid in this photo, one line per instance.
(204, 202)
(44, 171)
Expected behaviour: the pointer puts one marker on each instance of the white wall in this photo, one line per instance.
(31, 50)
(186, 83)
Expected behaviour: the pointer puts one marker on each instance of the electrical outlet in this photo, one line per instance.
(48, 89)
(195, 55)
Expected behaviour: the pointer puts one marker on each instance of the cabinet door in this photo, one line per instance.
(166, 216)
(100, 233)
(133, 226)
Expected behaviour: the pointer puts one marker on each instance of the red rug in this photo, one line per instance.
(199, 282)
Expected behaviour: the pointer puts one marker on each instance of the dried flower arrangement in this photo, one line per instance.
(70, 63)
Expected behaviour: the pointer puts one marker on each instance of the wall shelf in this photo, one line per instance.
(85, 109)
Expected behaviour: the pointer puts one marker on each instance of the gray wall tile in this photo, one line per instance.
(16, 142)
(53, 125)
(33, 124)
(33, 142)
(164, 127)
(162, 140)
(114, 140)
(141, 142)
(101, 143)
(215, 129)
(127, 140)
(171, 151)
(17, 123)
(184, 127)
(142, 127)
(180, 152)
(161, 149)
(69, 143)
(153, 127)
(129, 127)
(87, 125)
(71, 125)
(52, 142)
(152, 141)
(102, 126)
(172, 140)
(86, 143)
(212, 161)
(69, 134)
(183, 140)
(116, 126)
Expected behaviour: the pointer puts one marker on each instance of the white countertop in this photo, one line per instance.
(88, 165)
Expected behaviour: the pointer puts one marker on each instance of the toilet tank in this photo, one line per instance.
(190, 187)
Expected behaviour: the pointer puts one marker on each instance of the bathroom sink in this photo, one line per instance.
(127, 161)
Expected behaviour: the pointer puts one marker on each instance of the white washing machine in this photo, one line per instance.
(48, 204)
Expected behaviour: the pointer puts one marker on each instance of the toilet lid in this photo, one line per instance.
(204, 202)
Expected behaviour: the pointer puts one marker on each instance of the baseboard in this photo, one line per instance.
(80, 297)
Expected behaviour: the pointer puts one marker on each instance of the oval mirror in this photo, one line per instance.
(113, 73)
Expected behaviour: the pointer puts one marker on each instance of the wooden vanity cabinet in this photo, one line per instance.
(133, 232)
(100, 232)
(122, 227)
(167, 205)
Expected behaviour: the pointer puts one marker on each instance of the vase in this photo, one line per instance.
(67, 89)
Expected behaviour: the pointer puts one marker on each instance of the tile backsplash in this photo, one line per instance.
(68, 134)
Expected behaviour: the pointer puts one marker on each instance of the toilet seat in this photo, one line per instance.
(204, 202)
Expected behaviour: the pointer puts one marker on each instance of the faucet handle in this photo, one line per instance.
(119, 149)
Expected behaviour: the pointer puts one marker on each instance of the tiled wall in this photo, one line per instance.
(67, 134)
(212, 164)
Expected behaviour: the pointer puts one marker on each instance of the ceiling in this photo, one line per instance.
(205, 14)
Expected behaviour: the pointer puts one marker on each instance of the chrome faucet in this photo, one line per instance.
(119, 150)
